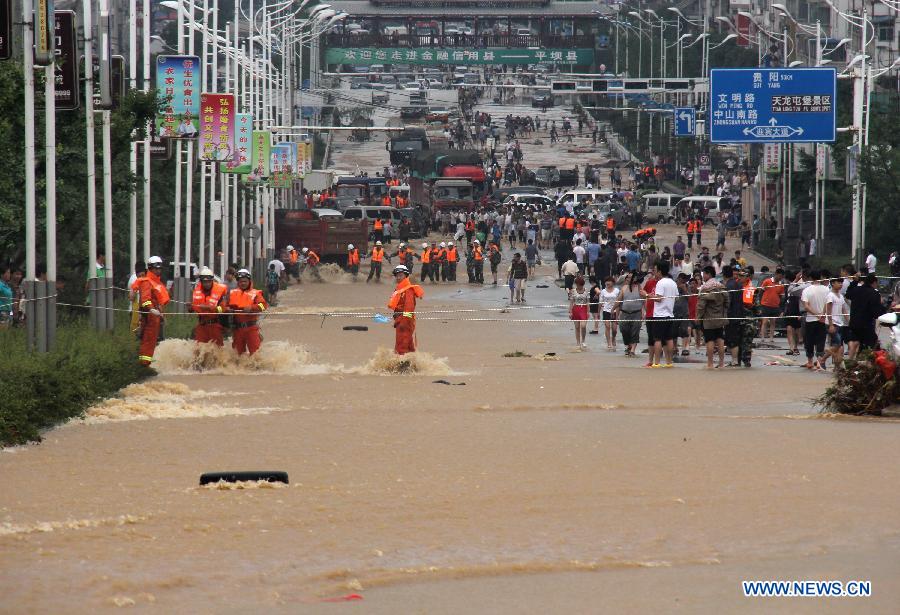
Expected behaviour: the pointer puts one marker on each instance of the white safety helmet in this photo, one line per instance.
(443, 245)
(290, 248)
(476, 241)
(349, 246)
(377, 243)
(424, 245)
(243, 273)
(154, 261)
(450, 243)
(206, 272)
(402, 245)
(401, 269)
(305, 250)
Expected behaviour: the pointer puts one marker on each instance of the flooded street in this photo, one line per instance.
(579, 484)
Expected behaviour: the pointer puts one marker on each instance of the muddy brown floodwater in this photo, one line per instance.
(581, 484)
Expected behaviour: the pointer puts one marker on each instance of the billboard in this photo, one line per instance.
(176, 77)
(216, 127)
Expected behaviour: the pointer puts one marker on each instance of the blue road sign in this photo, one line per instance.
(684, 122)
(772, 105)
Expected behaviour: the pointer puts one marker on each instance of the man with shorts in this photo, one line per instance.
(770, 303)
(663, 319)
(647, 290)
(569, 271)
(734, 334)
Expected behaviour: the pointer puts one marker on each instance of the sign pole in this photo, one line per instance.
(50, 229)
(146, 53)
(30, 205)
(91, 149)
(132, 83)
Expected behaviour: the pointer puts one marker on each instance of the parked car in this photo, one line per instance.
(660, 207)
(412, 113)
(542, 101)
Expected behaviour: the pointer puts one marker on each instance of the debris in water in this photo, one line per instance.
(458, 384)
(241, 485)
(356, 328)
(234, 477)
(516, 353)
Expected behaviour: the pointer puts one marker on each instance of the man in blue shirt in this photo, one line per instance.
(6, 297)
(633, 258)
(593, 251)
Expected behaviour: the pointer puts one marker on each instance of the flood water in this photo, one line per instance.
(583, 483)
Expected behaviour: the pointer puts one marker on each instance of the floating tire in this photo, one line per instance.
(233, 477)
(356, 328)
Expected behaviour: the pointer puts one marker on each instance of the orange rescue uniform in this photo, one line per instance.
(403, 303)
(209, 306)
(153, 295)
(246, 336)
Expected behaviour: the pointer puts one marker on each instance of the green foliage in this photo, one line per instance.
(43, 390)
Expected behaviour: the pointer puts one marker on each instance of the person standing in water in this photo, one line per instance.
(403, 302)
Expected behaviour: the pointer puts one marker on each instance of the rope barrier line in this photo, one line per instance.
(371, 315)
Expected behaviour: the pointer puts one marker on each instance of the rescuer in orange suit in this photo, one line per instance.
(153, 298)
(209, 300)
(246, 302)
(403, 303)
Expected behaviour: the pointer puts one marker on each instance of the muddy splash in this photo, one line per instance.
(13, 529)
(179, 357)
(241, 485)
(161, 400)
(386, 363)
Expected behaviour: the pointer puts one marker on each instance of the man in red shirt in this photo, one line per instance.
(770, 303)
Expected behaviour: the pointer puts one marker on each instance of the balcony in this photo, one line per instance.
(478, 41)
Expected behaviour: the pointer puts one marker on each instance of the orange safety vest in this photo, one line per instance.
(294, 257)
(610, 223)
(426, 256)
(698, 226)
(470, 225)
(570, 224)
(208, 303)
(476, 251)
(451, 255)
(405, 256)
(153, 292)
(435, 255)
(386, 200)
(243, 299)
(690, 227)
(377, 254)
(352, 257)
(379, 225)
(402, 301)
(562, 223)
(749, 293)
(312, 258)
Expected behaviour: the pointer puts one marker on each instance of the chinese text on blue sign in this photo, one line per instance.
(772, 105)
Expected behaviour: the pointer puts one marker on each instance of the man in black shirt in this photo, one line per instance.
(865, 308)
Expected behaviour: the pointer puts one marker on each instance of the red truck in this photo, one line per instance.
(325, 231)
(446, 179)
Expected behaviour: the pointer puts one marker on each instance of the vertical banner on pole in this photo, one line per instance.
(43, 32)
(281, 165)
(175, 81)
(67, 84)
(5, 29)
(243, 130)
(772, 158)
(217, 127)
(261, 158)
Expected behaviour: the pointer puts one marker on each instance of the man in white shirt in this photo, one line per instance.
(871, 261)
(836, 317)
(579, 252)
(279, 266)
(813, 300)
(663, 321)
(569, 270)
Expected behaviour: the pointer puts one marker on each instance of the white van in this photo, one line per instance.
(660, 207)
(578, 195)
(373, 212)
(710, 207)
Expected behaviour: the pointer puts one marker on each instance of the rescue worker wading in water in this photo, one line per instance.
(246, 302)
(153, 298)
(403, 303)
(209, 300)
